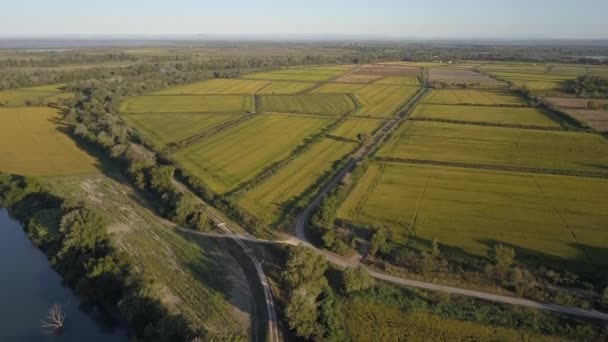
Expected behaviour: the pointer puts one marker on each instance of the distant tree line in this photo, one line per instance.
(588, 86)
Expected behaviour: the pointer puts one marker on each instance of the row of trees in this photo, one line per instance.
(75, 239)
(588, 86)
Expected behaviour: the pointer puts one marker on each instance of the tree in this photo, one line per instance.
(305, 268)
(161, 177)
(503, 255)
(435, 248)
(184, 209)
(357, 279)
(363, 137)
(378, 240)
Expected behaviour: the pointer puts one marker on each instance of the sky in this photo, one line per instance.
(464, 19)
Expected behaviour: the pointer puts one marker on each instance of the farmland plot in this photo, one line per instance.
(560, 216)
(217, 86)
(461, 76)
(277, 87)
(353, 126)
(554, 150)
(338, 88)
(50, 93)
(389, 70)
(33, 143)
(224, 161)
(275, 195)
(382, 101)
(188, 104)
(406, 81)
(276, 76)
(485, 114)
(326, 104)
(474, 97)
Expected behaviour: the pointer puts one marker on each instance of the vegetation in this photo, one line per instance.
(325, 104)
(473, 97)
(588, 87)
(382, 100)
(216, 86)
(188, 104)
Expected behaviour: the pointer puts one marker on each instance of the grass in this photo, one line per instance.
(358, 78)
(188, 104)
(556, 150)
(326, 104)
(217, 86)
(485, 114)
(33, 143)
(237, 155)
(273, 197)
(285, 87)
(406, 81)
(473, 97)
(353, 126)
(282, 76)
(558, 216)
(338, 88)
(165, 129)
(383, 101)
(190, 276)
(40, 95)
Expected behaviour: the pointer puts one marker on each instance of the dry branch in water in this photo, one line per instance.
(54, 320)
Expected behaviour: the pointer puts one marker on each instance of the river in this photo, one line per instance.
(29, 288)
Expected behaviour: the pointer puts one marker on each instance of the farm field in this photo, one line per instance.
(278, 87)
(274, 196)
(226, 160)
(338, 88)
(326, 104)
(209, 280)
(274, 76)
(389, 70)
(535, 81)
(358, 78)
(595, 119)
(36, 95)
(474, 97)
(485, 114)
(499, 146)
(461, 76)
(560, 216)
(350, 127)
(33, 143)
(164, 129)
(382, 101)
(216, 86)
(188, 104)
(407, 81)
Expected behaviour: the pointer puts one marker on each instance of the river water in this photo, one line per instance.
(28, 289)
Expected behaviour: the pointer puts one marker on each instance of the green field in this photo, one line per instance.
(164, 129)
(383, 101)
(278, 87)
(485, 114)
(326, 104)
(217, 86)
(350, 127)
(406, 81)
(34, 142)
(338, 88)
(183, 104)
(473, 97)
(475, 209)
(268, 200)
(34, 95)
(224, 161)
(555, 150)
(276, 76)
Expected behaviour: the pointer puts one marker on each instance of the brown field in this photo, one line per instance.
(596, 119)
(461, 76)
(359, 78)
(569, 102)
(389, 71)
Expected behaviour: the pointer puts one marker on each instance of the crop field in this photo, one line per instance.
(208, 276)
(164, 129)
(389, 70)
(272, 197)
(188, 104)
(217, 86)
(596, 119)
(338, 88)
(474, 97)
(353, 126)
(358, 78)
(406, 81)
(461, 76)
(383, 101)
(274, 76)
(33, 143)
(486, 114)
(326, 104)
(559, 216)
(37, 95)
(555, 150)
(238, 154)
(285, 87)
(575, 102)
(514, 68)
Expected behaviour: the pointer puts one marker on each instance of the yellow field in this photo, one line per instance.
(278, 87)
(473, 144)
(338, 88)
(239, 154)
(382, 101)
(188, 104)
(164, 129)
(473, 97)
(485, 114)
(560, 216)
(32, 143)
(358, 78)
(353, 126)
(324, 104)
(217, 86)
(273, 196)
(406, 81)
(276, 76)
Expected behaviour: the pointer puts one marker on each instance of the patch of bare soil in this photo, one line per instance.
(573, 102)
(385, 71)
(461, 76)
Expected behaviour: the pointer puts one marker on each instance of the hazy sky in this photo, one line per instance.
(398, 18)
